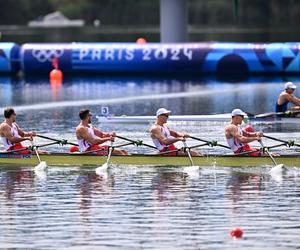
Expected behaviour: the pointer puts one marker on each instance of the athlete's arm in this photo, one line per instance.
(178, 134)
(12, 139)
(82, 133)
(235, 134)
(23, 133)
(252, 134)
(101, 134)
(293, 99)
(156, 134)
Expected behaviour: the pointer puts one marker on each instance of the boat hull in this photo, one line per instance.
(60, 159)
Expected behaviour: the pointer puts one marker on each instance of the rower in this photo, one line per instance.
(237, 138)
(164, 138)
(287, 96)
(92, 139)
(12, 135)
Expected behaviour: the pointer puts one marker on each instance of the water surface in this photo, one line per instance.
(146, 207)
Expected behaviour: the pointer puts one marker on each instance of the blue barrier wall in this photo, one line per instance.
(156, 57)
(9, 57)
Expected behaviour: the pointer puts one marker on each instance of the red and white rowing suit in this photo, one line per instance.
(162, 147)
(86, 146)
(239, 147)
(8, 146)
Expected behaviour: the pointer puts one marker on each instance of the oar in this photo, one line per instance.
(210, 143)
(188, 152)
(15, 150)
(104, 167)
(277, 167)
(46, 144)
(137, 143)
(289, 143)
(62, 141)
(42, 166)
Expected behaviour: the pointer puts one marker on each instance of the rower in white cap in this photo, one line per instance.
(237, 138)
(287, 96)
(164, 138)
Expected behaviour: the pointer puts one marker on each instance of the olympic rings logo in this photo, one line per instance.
(44, 55)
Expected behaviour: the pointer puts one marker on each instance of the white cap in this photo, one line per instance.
(290, 85)
(237, 112)
(162, 111)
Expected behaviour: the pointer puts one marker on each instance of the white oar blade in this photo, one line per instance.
(102, 169)
(41, 167)
(192, 171)
(278, 169)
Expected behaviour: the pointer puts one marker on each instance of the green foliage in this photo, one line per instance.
(254, 13)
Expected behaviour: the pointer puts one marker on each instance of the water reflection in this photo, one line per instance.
(244, 186)
(142, 95)
(165, 183)
(146, 207)
(13, 182)
(91, 186)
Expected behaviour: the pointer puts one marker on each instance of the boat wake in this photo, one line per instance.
(93, 102)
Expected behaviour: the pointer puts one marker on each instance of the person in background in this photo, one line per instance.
(12, 135)
(237, 138)
(286, 97)
(164, 138)
(92, 139)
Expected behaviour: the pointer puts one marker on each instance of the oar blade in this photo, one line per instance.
(41, 167)
(193, 172)
(277, 170)
(102, 169)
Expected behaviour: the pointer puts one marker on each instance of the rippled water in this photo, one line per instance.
(149, 208)
(145, 207)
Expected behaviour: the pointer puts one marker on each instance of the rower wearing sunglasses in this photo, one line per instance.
(237, 138)
(164, 138)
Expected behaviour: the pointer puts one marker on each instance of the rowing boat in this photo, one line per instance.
(151, 119)
(262, 118)
(150, 159)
